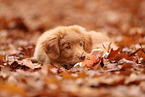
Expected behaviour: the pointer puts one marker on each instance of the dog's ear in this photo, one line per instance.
(88, 43)
(51, 47)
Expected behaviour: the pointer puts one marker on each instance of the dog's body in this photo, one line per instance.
(68, 45)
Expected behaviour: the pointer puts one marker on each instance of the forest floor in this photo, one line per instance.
(121, 74)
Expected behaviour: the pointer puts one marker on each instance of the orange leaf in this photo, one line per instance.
(126, 69)
(126, 66)
(89, 61)
(2, 59)
(114, 53)
(141, 53)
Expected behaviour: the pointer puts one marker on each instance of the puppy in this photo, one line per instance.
(67, 45)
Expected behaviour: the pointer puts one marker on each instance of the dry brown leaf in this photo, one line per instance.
(121, 18)
(15, 65)
(2, 60)
(126, 69)
(31, 65)
(114, 53)
(141, 53)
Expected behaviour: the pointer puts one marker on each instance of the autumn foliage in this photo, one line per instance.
(120, 74)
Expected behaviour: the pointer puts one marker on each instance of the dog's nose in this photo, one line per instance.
(82, 57)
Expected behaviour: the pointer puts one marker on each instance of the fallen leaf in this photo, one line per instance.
(2, 60)
(117, 55)
(15, 65)
(26, 51)
(141, 53)
(126, 69)
(31, 65)
(89, 61)
(114, 53)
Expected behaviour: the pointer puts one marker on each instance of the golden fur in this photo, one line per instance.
(68, 45)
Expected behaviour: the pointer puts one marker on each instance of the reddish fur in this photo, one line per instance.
(51, 46)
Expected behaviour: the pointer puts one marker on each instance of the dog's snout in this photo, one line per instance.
(82, 57)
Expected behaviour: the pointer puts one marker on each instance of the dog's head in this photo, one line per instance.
(67, 45)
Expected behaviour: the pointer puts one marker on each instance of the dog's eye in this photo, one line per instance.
(68, 47)
(81, 44)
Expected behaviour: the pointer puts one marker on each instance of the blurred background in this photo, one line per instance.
(22, 21)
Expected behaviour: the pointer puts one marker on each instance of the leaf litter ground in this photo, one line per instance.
(121, 74)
